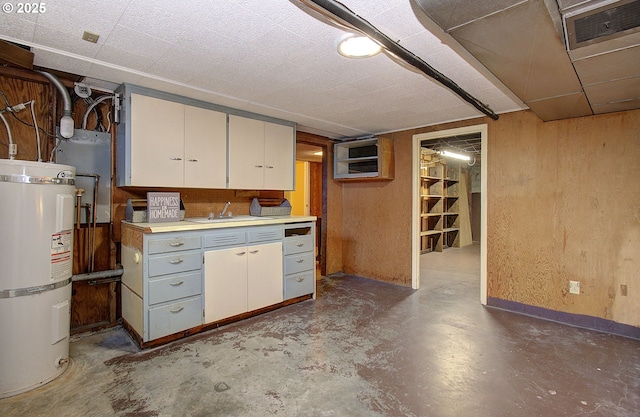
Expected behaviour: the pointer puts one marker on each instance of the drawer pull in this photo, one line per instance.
(177, 310)
(300, 279)
(176, 283)
(300, 245)
(300, 261)
(176, 244)
(241, 253)
(176, 261)
(253, 252)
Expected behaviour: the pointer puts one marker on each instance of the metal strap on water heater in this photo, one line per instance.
(21, 292)
(27, 179)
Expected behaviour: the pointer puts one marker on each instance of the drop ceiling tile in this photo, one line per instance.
(136, 42)
(393, 22)
(613, 91)
(563, 107)
(18, 29)
(75, 17)
(452, 13)
(521, 47)
(617, 64)
(52, 59)
(65, 42)
(619, 106)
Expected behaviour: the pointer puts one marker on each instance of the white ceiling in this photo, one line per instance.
(264, 56)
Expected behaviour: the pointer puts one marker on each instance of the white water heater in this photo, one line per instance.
(36, 261)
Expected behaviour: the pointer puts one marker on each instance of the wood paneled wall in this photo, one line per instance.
(19, 86)
(563, 204)
(377, 222)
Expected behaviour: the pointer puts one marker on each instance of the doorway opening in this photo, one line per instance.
(440, 218)
(309, 196)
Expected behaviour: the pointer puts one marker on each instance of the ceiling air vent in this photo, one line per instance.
(603, 23)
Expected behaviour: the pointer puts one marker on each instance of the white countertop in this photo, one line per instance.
(236, 222)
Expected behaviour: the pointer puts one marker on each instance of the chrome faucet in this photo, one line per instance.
(224, 210)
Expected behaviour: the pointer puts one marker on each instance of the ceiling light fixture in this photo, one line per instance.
(449, 154)
(358, 46)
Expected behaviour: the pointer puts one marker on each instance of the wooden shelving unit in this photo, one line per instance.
(440, 202)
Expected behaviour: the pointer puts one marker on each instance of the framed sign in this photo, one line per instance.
(163, 207)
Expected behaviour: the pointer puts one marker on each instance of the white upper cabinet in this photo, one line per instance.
(164, 140)
(279, 157)
(176, 145)
(205, 148)
(157, 142)
(261, 155)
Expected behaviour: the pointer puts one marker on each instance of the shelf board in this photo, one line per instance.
(430, 232)
(451, 196)
(430, 196)
(360, 159)
(450, 229)
(430, 177)
(430, 214)
(450, 213)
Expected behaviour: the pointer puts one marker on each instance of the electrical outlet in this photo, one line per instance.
(574, 287)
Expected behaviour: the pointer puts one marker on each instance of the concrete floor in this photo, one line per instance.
(363, 348)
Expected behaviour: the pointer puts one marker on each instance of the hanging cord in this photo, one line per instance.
(11, 147)
(12, 110)
(91, 107)
(35, 125)
(342, 15)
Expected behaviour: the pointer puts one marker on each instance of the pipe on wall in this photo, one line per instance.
(90, 276)
(66, 122)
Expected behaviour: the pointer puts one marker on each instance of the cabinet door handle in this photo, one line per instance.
(270, 166)
(176, 283)
(254, 251)
(176, 244)
(175, 158)
(177, 310)
(259, 166)
(300, 279)
(176, 261)
(300, 261)
(241, 253)
(192, 160)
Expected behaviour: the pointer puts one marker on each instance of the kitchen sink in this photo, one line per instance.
(224, 219)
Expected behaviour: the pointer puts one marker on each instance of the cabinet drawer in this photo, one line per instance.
(172, 318)
(175, 287)
(174, 244)
(298, 244)
(298, 285)
(225, 238)
(298, 263)
(175, 263)
(262, 234)
(132, 309)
